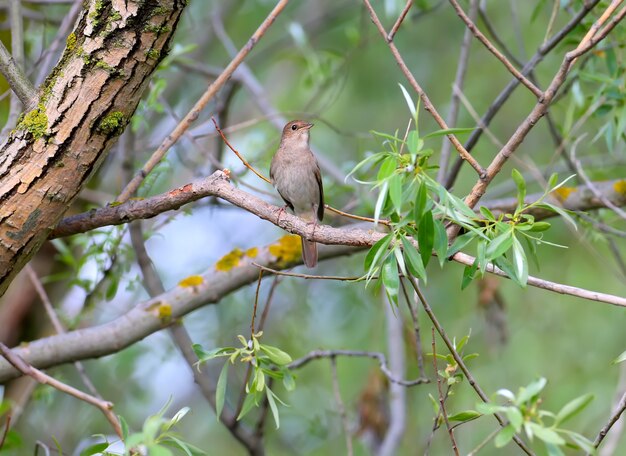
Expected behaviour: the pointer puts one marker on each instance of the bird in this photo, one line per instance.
(295, 174)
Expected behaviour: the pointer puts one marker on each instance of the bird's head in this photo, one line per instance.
(297, 131)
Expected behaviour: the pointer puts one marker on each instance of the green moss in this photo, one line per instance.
(153, 54)
(35, 122)
(71, 41)
(105, 66)
(158, 29)
(113, 124)
(115, 16)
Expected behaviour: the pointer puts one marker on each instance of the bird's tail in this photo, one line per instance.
(309, 253)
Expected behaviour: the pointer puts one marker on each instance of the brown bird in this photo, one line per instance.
(296, 175)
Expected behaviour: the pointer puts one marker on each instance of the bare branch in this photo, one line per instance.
(491, 48)
(428, 106)
(193, 114)
(459, 360)
(442, 406)
(18, 363)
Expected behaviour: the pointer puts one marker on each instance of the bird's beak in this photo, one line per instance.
(308, 126)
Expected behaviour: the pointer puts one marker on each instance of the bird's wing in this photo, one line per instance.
(318, 178)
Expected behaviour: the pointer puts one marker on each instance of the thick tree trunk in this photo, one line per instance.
(83, 107)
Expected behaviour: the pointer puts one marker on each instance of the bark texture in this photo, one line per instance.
(83, 106)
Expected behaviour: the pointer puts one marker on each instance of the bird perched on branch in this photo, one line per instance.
(296, 176)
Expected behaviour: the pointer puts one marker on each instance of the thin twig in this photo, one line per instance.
(382, 361)
(58, 326)
(416, 330)
(459, 81)
(256, 302)
(491, 48)
(398, 23)
(7, 426)
(26, 369)
(459, 360)
(428, 106)
(16, 78)
(442, 406)
(504, 95)
(341, 408)
(193, 114)
(619, 410)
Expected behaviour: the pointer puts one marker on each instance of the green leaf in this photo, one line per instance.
(469, 273)
(426, 237)
(539, 226)
(159, 450)
(94, 449)
(289, 382)
(449, 131)
(620, 359)
(413, 142)
(504, 436)
(529, 392)
(581, 441)
(499, 245)
(441, 241)
(546, 434)
(276, 355)
(521, 187)
(391, 279)
(204, 355)
(487, 213)
(273, 407)
(572, 408)
(489, 408)
(413, 259)
(377, 250)
(420, 202)
(460, 242)
(387, 168)
(520, 263)
(395, 192)
(124, 426)
(380, 202)
(515, 418)
(250, 401)
(220, 391)
(409, 101)
(562, 212)
(466, 415)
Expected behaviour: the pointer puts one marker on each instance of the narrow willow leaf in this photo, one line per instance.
(572, 408)
(249, 402)
(532, 390)
(276, 355)
(390, 278)
(413, 260)
(487, 213)
(420, 202)
(380, 202)
(468, 275)
(460, 242)
(499, 245)
(409, 101)
(504, 436)
(546, 434)
(620, 359)
(441, 241)
(375, 253)
(273, 407)
(426, 237)
(562, 212)
(520, 263)
(449, 131)
(395, 192)
(466, 415)
(521, 187)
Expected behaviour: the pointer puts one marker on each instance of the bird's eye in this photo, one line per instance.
(294, 127)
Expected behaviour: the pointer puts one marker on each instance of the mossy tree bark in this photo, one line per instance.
(83, 106)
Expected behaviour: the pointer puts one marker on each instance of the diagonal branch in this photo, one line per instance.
(491, 48)
(428, 106)
(208, 95)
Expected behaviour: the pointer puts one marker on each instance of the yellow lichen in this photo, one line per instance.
(229, 261)
(71, 41)
(620, 187)
(288, 249)
(36, 122)
(563, 192)
(191, 281)
(164, 311)
(252, 252)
